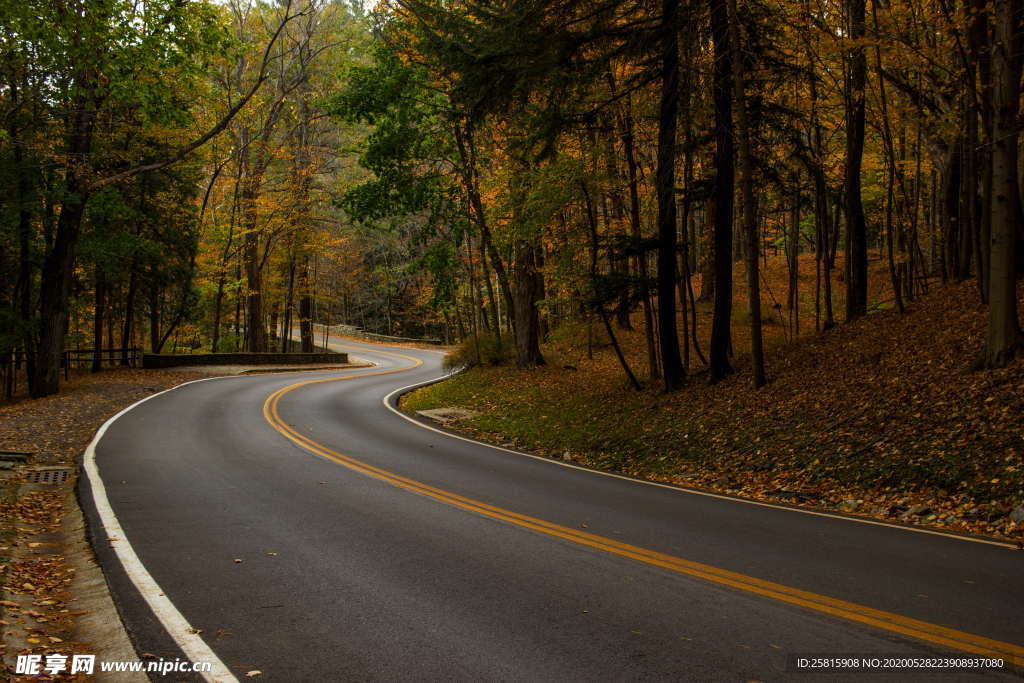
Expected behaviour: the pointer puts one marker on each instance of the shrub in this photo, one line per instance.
(482, 350)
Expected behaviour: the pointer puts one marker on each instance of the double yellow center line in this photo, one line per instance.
(913, 628)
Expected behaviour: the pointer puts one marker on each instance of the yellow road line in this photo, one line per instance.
(921, 630)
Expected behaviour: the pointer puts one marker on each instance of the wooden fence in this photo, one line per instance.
(15, 363)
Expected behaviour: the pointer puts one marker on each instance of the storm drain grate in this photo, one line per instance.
(50, 476)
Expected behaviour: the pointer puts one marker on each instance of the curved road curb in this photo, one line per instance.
(186, 637)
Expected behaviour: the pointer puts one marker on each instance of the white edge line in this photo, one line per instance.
(677, 489)
(194, 647)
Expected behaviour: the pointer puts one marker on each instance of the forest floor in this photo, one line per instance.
(50, 579)
(878, 418)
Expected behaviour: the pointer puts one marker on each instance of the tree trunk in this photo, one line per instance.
(829, 263)
(59, 265)
(750, 228)
(491, 298)
(23, 286)
(289, 303)
(527, 320)
(980, 63)
(592, 224)
(823, 252)
(154, 320)
(129, 314)
(1004, 337)
(613, 211)
(97, 321)
(305, 308)
(275, 313)
(110, 316)
(218, 302)
(890, 155)
(255, 330)
(671, 363)
(793, 257)
(721, 323)
(467, 155)
(55, 290)
(856, 227)
(636, 230)
(239, 342)
(950, 204)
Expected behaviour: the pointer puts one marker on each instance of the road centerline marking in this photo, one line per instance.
(895, 623)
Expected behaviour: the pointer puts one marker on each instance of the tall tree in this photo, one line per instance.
(856, 224)
(1004, 339)
(750, 231)
(724, 188)
(671, 361)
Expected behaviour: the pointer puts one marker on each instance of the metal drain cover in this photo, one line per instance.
(51, 475)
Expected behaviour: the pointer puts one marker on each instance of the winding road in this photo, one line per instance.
(372, 547)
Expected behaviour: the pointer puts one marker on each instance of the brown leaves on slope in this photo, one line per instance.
(879, 417)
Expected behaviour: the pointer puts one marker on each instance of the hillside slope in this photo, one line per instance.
(879, 418)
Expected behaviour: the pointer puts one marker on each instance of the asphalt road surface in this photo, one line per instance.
(373, 548)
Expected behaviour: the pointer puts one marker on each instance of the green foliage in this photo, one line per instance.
(90, 88)
(406, 145)
(439, 259)
(483, 349)
(413, 192)
(228, 342)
